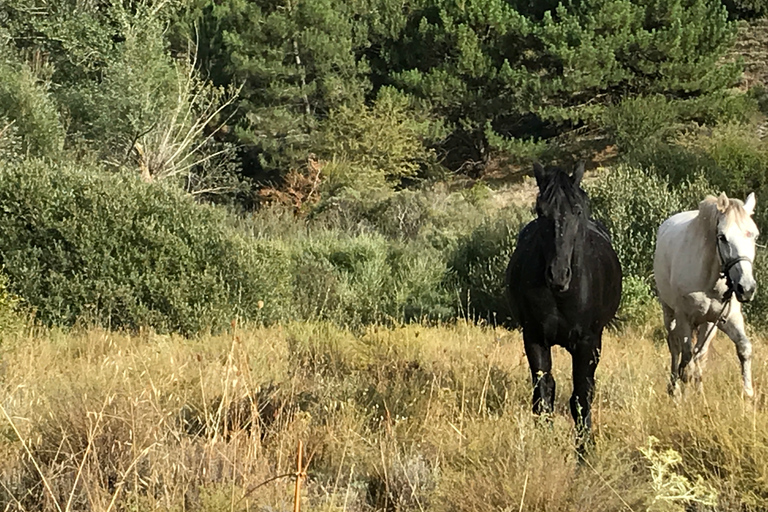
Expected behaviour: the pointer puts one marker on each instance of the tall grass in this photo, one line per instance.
(394, 418)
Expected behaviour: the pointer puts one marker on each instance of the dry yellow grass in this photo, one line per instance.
(409, 418)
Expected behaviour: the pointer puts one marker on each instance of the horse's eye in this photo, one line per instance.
(722, 238)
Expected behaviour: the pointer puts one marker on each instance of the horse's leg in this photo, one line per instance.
(674, 342)
(540, 361)
(585, 357)
(686, 352)
(734, 328)
(706, 333)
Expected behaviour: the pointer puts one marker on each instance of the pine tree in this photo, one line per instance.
(511, 70)
(296, 59)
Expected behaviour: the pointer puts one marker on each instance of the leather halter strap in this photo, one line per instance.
(725, 268)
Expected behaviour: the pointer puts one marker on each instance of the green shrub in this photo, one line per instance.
(739, 156)
(26, 105)
(638, 302)
(638, 121)
(375, 147)
(9, 304)
(632, 204)
(81, 244)
(480, 261)
(362, 279)
(673, 162)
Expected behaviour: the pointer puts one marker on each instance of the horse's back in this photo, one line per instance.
(671, 259)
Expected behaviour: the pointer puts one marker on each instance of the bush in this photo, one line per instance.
(739, 158)
(638, 121)
(370, 148)
(365, 278)
(638, 302)
(730, 157)
(632, 204)
(480, 261)
(26, 106)
(9, 304)
(80, 244)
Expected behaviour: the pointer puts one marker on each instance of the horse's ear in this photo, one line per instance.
(540, 172)
(578, 173)
(749, 204)
(722, 202)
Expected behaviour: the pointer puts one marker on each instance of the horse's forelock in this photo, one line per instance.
(734, 213)
(560, 187)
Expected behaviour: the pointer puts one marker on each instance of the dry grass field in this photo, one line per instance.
(405, 418)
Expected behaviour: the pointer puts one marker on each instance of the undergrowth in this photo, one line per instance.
(392, 418)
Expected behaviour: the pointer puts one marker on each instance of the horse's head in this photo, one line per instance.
(563, 203)
(736, 237)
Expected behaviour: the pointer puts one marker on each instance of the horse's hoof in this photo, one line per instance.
(749, 392)
(674, 390)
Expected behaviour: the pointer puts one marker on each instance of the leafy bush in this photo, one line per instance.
(633, 204)
(9, 304)
(480, 261)
(638, 303)
(636, 122)
(739, 158)
(375, 147)
(26, 106)
(78, 243)
(365, 278)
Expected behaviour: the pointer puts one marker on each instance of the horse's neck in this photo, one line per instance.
(705, 248)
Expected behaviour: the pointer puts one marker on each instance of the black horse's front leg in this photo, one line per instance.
(540, 361)
(585, 358)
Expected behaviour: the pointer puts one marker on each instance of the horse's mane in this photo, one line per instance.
(709, 211)
(559, 186)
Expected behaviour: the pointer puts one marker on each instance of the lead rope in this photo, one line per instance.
(724, 270)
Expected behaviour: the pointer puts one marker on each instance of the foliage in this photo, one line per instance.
(156, 111)
(632, 204)
(79, 244)
(673, 490)
(493, 62)
(26, 106)
(364, 279)
(746, 9)
(638, 305)
(297, 60)
(479, 265)
(378, 147)
(739, 158)
(9, 306)
(638, 122)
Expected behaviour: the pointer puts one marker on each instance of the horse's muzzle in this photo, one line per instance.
(559, 280)
(744, 293)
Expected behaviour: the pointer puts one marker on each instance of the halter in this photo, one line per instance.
(725, 268)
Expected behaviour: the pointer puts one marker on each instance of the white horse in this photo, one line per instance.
(703, 271)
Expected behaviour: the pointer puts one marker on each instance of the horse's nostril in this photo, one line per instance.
(567, 272)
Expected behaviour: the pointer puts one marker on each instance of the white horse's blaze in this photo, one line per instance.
(693, 250)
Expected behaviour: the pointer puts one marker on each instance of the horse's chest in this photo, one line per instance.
(561, 322)
(701, 307)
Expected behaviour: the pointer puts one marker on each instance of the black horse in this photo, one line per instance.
(564, 283)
